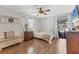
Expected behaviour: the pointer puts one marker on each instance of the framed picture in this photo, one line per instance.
(16, 20)
(9, 20)
(12, 20)
(3, 19)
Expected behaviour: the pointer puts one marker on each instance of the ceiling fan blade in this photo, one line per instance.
(40, 9)
(47, 10)
(45, 13)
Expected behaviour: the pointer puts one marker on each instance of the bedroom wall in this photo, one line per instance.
(11, 27)
(48, 24)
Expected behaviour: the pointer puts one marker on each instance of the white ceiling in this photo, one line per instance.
(29, 9)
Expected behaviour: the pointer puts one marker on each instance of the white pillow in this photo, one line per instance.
(9, 34)
(1, 35)
(17, 34)
(46, 36)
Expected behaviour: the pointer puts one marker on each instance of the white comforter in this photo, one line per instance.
(45, 36)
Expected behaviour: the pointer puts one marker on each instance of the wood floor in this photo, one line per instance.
(37, 46)
(58, 46)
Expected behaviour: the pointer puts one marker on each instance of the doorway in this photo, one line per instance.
(62, 26)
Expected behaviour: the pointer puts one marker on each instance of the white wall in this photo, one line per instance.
(48, 24)
(11, 27)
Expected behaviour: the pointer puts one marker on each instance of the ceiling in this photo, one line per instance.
(29, 9)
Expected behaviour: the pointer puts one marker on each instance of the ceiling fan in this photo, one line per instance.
(42, 12)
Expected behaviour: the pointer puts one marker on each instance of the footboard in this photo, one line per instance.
(44, 36)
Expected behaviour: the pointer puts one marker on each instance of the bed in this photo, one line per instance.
(45, 36)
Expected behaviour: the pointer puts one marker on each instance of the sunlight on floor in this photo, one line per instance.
(62, 46)
(31, 50)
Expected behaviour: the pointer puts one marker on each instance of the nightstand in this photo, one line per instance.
(28, 35)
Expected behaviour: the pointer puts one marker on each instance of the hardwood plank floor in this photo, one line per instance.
(37, 46)
(19, 48)
(56, 47)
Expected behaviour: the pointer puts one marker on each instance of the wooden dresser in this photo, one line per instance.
(28, 35)
(72, 42)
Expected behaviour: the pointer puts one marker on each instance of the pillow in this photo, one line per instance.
(9, 34)
(1, 35)
(17, 34)
(46, 36)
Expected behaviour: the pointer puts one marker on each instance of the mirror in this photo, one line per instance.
(11, 20)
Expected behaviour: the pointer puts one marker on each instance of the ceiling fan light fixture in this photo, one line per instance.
(42, 12)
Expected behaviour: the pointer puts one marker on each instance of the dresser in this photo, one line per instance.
(28, 35)
(72, 42)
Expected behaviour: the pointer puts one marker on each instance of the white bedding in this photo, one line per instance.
(45, 36)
